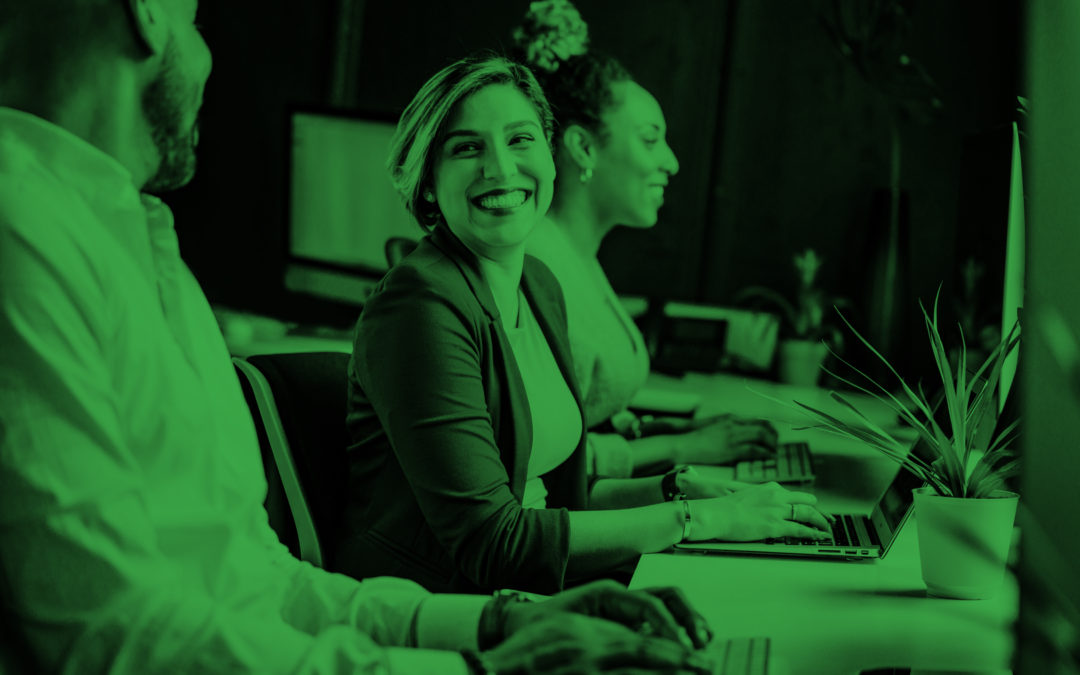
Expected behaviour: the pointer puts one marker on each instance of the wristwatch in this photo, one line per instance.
(477, 663)
(493, 618)
(669, 484)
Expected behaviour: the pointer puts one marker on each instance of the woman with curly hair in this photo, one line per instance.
(467, 467)
(613, 163)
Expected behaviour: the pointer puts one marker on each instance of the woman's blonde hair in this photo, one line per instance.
(411, 161)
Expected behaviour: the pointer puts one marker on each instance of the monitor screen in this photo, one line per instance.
(342, 206)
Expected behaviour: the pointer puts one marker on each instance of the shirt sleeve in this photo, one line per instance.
(417, 359)
(404, 614)
(610, 456)
(82, 577)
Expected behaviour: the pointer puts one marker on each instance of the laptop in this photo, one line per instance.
(854, 537)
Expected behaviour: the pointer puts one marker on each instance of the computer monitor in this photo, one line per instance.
(342, 206)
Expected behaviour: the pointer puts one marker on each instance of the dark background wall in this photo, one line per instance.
(782, 144)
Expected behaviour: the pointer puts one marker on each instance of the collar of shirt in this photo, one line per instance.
(141, 223)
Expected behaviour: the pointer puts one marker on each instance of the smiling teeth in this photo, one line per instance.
(506, 200)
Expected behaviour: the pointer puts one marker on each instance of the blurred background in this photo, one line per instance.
(876, 132)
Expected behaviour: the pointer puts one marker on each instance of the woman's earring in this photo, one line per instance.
(428, 197)
(586, 175)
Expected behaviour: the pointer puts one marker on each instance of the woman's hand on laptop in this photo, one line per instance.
(759, 512)
(725, 439)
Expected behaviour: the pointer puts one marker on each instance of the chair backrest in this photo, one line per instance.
(397, 248)
(300, 400)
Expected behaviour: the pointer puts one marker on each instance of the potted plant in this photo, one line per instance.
(964, 514)
(803, 352)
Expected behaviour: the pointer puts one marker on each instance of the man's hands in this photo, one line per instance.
(650, 629)
(567, 643)
(725, 439)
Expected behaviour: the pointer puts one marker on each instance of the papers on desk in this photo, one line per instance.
(664, 402)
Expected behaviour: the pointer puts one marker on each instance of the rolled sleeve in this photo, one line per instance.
(449, 621)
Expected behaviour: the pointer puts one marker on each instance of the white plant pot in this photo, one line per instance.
(963, 543)
(800, 361)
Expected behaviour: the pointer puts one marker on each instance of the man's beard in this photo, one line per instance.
(165, 104)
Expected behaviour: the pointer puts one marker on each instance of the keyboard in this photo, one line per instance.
(745, 656)
(792, 464)
(844, 533)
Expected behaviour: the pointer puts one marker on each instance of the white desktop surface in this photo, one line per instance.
(833, 616)
(746, 396)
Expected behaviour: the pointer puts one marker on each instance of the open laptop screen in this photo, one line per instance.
(897, 498)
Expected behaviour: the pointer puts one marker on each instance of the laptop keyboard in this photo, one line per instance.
(843, 534)
(741, 656)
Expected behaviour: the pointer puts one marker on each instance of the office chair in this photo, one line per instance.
(300, 400)
(397, 248)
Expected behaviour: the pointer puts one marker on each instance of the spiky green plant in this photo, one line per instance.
(961, 468)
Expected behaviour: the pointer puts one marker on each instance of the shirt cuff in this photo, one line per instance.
(448, 621)
(408, 661)
(611, 456)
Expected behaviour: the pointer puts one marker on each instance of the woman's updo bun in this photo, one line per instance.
(553, 42)
(551, 33)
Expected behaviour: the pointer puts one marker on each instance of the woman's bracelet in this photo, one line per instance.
(687, 520)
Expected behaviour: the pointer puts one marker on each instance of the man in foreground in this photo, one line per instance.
(132, 534)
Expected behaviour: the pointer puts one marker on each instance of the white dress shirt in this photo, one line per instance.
(132, 533)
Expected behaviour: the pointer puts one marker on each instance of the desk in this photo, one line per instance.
(832, 617)
(740, 395)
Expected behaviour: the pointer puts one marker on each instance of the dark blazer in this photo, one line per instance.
(442, 433)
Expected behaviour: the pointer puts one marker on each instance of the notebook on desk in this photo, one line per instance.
(660, 402)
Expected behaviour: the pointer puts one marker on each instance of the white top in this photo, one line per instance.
(556, 418)
(132, 533)
(610, 357)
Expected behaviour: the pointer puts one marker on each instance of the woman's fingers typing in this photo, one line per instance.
(805, 513)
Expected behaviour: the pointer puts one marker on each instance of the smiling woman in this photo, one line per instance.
(493, 177)
(467, 463)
